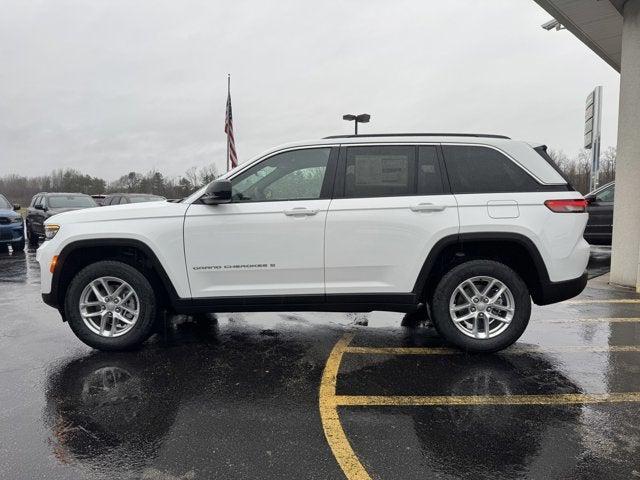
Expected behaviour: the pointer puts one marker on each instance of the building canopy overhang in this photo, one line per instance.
(597, 23)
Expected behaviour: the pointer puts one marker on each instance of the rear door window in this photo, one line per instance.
(380, 171)
(478, 169)
(429, 174)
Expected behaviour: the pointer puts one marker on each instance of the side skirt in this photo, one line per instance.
(392, 302)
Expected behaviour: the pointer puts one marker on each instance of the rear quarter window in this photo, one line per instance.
(477, 169)
(542, 151)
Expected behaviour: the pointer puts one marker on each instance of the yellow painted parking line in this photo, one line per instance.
(611, 300)
(333, 431)
(329, 401)
(403, 350)
(587, 320)
(511, 350)
(441, 400)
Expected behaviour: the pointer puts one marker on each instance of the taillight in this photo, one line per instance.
(567, 206)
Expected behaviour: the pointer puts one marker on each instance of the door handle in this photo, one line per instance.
(427, 207)
(300, 212)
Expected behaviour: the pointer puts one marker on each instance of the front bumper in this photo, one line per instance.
(44, 254)
(50, 299)
(11, 233)
(554, 292)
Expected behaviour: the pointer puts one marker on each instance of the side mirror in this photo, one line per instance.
(39, 207)
(218, 191)
(16, 207)
(590, 199)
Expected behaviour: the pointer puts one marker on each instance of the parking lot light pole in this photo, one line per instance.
(361, 118)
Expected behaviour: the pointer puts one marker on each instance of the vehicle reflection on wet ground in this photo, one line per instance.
(599, 261)
(237, 397)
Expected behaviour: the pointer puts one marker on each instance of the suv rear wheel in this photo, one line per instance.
(481, 306)
(111, 306)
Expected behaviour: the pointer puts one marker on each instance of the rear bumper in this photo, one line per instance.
(554, 292)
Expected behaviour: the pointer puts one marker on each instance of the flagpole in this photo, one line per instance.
(228, 93)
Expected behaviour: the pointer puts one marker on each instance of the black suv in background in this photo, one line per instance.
(124, 198)
(600, 208)
(44, 205)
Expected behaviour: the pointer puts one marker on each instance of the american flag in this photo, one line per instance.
(232, 156)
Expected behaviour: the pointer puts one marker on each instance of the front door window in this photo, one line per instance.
(294, 175)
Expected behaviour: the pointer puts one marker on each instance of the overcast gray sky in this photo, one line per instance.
(110, 86)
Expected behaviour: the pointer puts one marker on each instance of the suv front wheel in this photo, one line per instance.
(32, 238)
(110, 305)
(481, 306)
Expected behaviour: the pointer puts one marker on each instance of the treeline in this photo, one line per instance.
(578, 169)
(20, 189)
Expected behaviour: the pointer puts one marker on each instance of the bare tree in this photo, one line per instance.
(192, 176)
(578, 169)
(207, 174)
(608, 165)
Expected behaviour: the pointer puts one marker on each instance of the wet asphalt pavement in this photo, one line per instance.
(238, 397)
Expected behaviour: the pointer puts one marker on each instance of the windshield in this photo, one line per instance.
(71, 201)
(4, 204)
(145, 198)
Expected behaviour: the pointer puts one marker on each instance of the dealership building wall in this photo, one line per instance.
(625, 257)
(611, 28)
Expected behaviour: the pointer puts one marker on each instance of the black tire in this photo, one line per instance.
(445, 289)
(144, 326)
(32, 238)
(18, 246)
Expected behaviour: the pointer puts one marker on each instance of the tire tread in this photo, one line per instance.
(144, 326)
(440, 304)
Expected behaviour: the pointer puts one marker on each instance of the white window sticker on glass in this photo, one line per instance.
(381, 170)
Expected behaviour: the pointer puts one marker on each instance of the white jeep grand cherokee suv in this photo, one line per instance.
(464, 228)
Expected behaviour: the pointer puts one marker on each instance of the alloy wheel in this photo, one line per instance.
(482, 307)
(109, 306)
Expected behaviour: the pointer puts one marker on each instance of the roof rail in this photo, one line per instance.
(487, 135)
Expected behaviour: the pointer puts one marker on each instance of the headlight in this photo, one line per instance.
(16, 220)
(50, 231)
